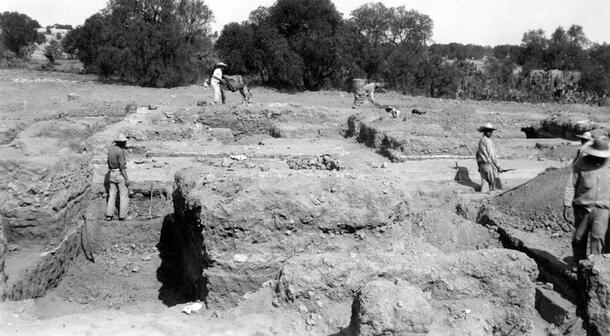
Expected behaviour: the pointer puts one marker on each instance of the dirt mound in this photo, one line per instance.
(564, 126)
(45, 137)
(537, 203)
(449, 232)
(498, 285)
(239, 228)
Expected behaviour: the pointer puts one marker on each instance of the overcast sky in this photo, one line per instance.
(483, 22)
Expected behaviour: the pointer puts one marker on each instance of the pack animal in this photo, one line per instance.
(235, 83)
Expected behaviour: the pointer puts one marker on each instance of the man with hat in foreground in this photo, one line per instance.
(117, 178)
(219, 94)
(487, 160)
(588, 192)
(585, 138)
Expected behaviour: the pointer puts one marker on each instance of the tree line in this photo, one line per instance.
(308, 45)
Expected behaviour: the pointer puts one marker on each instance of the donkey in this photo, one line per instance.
(234, 83)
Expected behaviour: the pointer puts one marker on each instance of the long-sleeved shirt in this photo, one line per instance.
(486, 153)
(579, 153)
(116, 158)
(588, 184)
(217, 75)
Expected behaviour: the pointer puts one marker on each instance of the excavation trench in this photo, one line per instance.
(216, 234)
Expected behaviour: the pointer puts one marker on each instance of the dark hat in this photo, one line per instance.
(598, 148)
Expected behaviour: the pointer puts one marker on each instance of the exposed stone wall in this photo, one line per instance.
(43, 203)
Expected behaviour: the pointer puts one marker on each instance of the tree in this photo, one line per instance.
(372, 20)
(18, 31)
(259, 15)
(596, 72)
(150, 43)
(310, 27)
(53, 51)
(533, 44)
(195, 18)
(409, 26)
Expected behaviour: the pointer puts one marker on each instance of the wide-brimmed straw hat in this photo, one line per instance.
(598, 148)
(221, 64)
(587, 136)
(120, 138)
(487, 127)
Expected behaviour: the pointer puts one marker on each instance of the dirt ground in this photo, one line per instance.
(124, 291)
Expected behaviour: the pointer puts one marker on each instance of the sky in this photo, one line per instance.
(482, 22)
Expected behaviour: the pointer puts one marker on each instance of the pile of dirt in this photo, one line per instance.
(449, 232)
(538, 204)
(565, 152)
(494, 287)
(323, 162)
(241, 120)
(564, 126)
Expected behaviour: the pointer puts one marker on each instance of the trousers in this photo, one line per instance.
(591, 222)
(489, 174)
(219, 94)
(117, 183)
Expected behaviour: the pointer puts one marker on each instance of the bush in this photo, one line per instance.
(144, 44)
(53, 52)
(18, 31)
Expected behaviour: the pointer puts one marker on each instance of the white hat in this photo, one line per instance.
(487, 127)
(587, 135)
(598, 148)
(120, 138)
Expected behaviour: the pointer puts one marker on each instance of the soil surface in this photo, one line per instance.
(126, 290)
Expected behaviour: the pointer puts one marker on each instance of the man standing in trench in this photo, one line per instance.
(117, 178)
(587, 192)
(487, 160)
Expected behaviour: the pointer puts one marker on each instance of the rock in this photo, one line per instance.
(3, 251)
(382, 307)
(597, 271)
(553, 308)
(72, 96)
(503, 286)
(239, 157)
(226, 162)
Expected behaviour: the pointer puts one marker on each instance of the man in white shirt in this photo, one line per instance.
(487, 160)
(219, 94)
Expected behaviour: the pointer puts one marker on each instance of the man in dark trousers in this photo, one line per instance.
(588, 193)
(117, 178)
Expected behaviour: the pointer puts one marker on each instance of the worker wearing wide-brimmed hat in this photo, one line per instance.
(117, 177)
(219, 94)
(487, 160)
(585, 138)
(588, 192)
